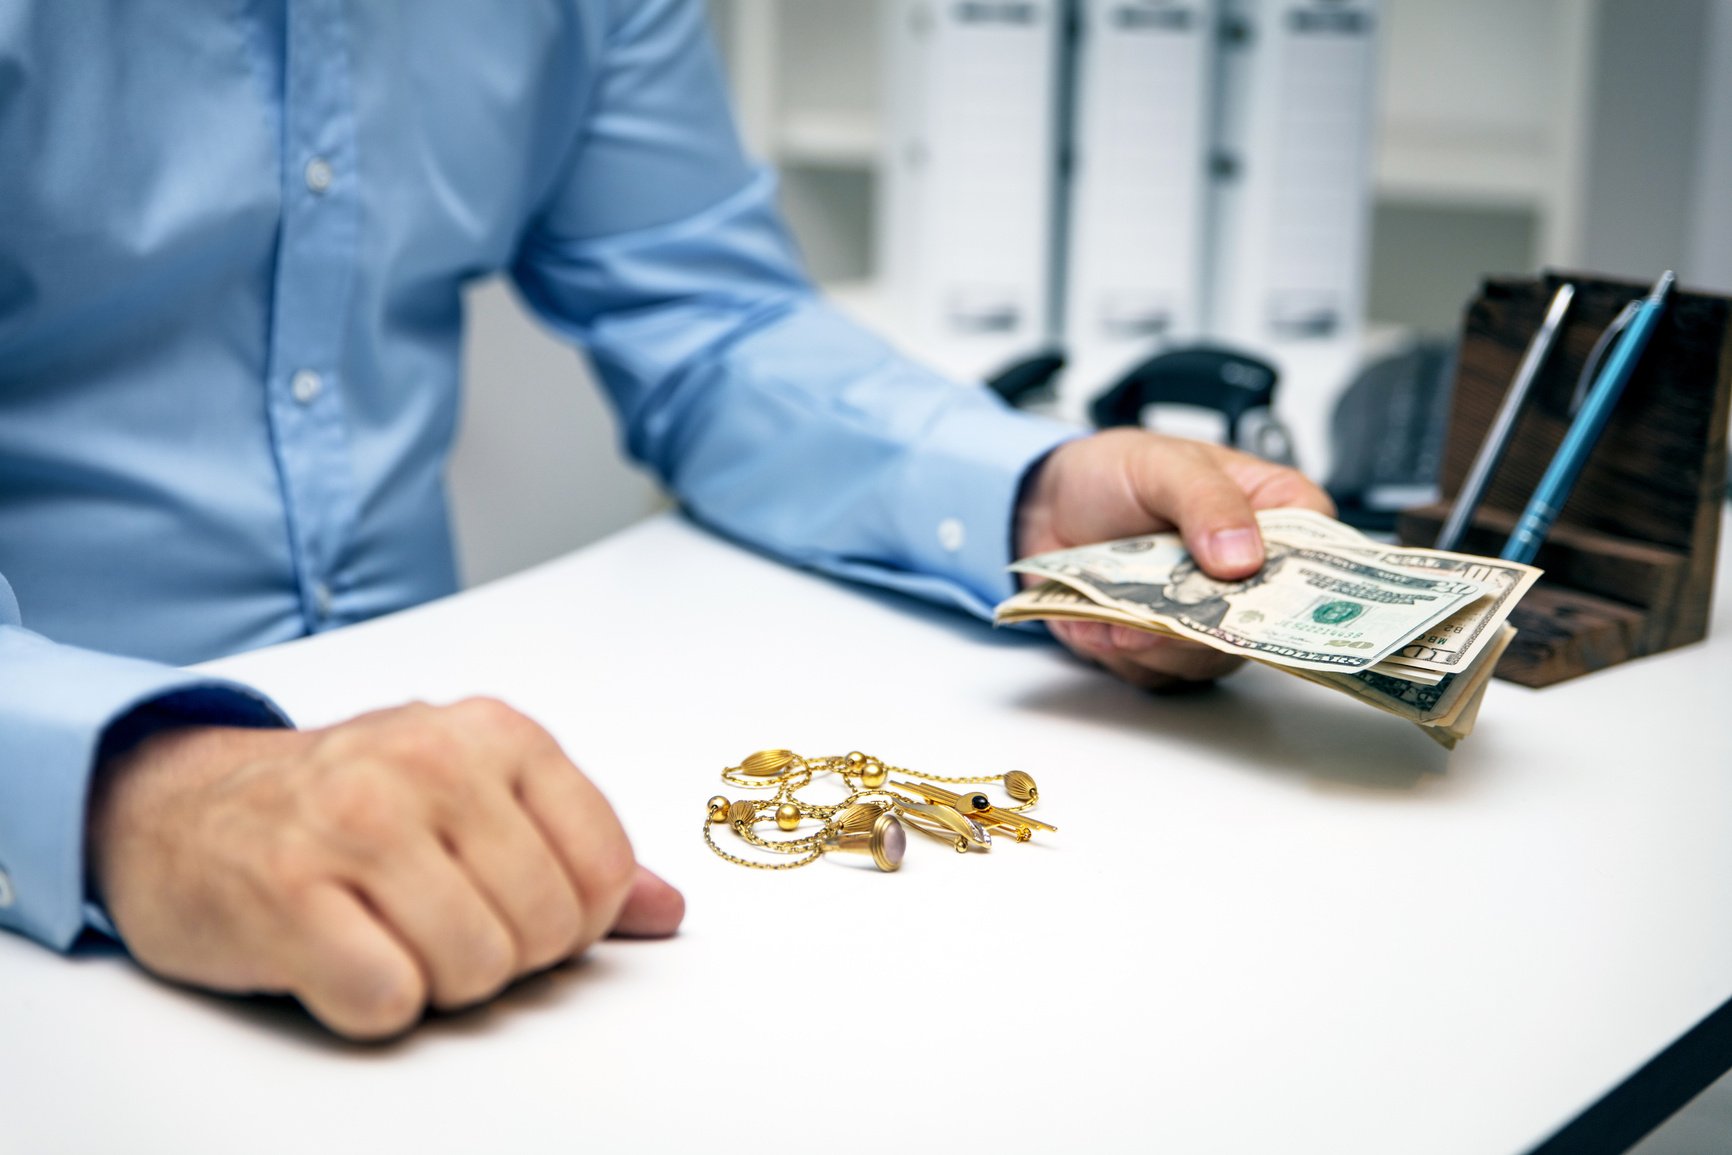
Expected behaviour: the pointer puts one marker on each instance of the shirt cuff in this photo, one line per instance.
(58, 705)
(956, 509)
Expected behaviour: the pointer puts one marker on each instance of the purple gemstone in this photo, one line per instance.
(895, 843)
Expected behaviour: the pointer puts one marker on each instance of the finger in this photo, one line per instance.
(1082, 636)
(1270, 486)
(1127, 640)
(435, 908)
(585, 836)
(1187, 487)
(1145, 658)
(652, 909)
(1181, 659)
(1103, 638)
(509, 861)
(351, 972)
(1139, 676)
(575, 821)
(1147, 678)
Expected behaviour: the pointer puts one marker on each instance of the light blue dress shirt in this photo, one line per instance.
(234, 236)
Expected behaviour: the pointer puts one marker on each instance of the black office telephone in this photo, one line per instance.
(1387, 431)
(1238, 386)
(1387, 434)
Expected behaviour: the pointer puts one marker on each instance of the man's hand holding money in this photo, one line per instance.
(1125, 482)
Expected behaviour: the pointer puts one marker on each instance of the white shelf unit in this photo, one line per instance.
(1485, 106)
(806, 79)
(829, 139)
(1484, 112)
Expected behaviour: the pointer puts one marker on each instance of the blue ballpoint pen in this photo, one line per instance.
(1591, 419)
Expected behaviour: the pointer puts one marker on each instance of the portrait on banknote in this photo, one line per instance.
(1188, 593)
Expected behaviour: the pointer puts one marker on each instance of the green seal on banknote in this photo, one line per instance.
(1335, 613)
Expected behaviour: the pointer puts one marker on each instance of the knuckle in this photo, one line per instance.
(501, 725)
(435, 773)
(356, 806)
(337, 744)
(419, 742)
(487, 713)
(425, 760)
(286, 867)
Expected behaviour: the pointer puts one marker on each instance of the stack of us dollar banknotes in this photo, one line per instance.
(1413, 632)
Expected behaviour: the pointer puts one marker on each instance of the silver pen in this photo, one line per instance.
(1497, 439)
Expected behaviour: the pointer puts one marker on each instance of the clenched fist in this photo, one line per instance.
(420, 856)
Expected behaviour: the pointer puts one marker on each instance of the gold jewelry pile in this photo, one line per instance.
(870, 819)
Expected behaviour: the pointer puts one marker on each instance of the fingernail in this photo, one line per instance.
(1236, 549)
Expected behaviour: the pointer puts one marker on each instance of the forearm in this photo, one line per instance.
(57, 704)
(781, 422)
(816, 440)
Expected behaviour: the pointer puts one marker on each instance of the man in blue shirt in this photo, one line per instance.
(233, 241)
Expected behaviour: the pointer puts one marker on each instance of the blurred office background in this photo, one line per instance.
(1507, 136)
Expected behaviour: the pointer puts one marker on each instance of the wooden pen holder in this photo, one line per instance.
(1630, 563)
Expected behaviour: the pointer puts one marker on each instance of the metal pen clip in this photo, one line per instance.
(1591, 367)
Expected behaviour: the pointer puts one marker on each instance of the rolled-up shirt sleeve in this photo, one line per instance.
(771, 416)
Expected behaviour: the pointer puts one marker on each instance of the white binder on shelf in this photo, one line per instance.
(1292, 196)
(966, 208)
(1137, 197)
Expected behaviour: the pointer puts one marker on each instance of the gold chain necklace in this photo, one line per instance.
(872, 819)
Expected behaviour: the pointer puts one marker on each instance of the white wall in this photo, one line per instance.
(1647, 108)
(1708, 253)
(537, 470)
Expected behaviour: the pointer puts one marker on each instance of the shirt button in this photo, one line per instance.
(322, 600)
(951, 534)
(305, 386)
(7, 895)
(318, 173)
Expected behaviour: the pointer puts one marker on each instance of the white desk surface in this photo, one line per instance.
(1271, 921)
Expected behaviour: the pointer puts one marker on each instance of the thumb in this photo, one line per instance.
(1226, 549)
(1211, 510)
(652, 909)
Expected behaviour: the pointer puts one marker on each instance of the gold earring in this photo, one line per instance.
(885, 840)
